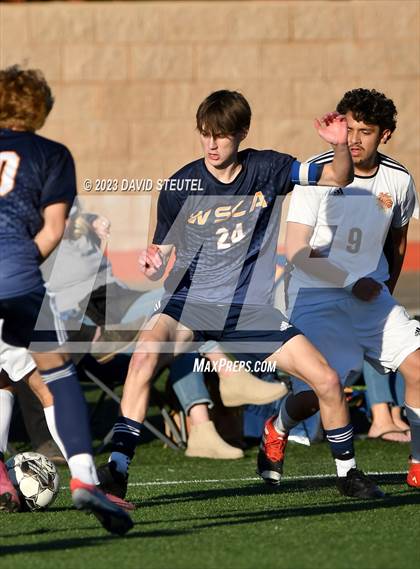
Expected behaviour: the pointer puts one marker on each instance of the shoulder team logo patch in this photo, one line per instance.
(384, 201)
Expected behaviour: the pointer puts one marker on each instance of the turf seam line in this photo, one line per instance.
(246, 479)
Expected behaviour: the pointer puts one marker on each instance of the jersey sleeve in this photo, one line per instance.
(281, 172)
(60, 183)
(168, 208)
(288, 171)
(306, 173)
(304, 206)
(408, 206)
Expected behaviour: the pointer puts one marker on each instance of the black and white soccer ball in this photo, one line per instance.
(35, 478)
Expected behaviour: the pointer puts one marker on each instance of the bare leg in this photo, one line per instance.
(383, 426)
(145, 363)
(49, 360)
(410, 369)
(199, 414)
(300, 358)
(70, 416)
(397, 419)
(39, 388)
(149, 358)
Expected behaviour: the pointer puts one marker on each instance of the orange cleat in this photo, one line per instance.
(89, 498)
(413, 476)
(121, 503)
(271, 454)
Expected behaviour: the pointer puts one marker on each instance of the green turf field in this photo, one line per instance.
(195, 513)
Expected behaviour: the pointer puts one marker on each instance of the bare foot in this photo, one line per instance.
(388, 432)
(397, 420)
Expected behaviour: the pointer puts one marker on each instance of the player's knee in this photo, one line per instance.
(330, 386)
(410, 369)
(146, 362)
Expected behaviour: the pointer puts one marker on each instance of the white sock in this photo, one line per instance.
(343, 466)
(82, 467)
(50, 418)
(6, 408)
(284, 423)
(121, 460)
(413, 418)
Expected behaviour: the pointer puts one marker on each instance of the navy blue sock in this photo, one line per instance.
(341, 442)
(125, 436)
(71, 416)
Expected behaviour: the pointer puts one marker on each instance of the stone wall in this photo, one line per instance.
(128, 77)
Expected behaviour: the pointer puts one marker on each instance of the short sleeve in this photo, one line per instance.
(281, 171)
(60, 183)
(168, 208)
(304, 205)
(408, 207)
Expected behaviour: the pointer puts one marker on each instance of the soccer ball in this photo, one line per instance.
(35, 479)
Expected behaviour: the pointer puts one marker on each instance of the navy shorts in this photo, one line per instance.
(241, 330)
(29, 319)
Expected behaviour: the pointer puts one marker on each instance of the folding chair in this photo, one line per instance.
(91, 370)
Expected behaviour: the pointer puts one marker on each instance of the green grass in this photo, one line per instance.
(222, 517)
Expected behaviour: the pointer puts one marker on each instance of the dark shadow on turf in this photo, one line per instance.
(261, 489)
(347, 506)
(75, 543)
(41, 531)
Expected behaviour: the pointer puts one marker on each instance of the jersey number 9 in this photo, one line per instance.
(354, 240)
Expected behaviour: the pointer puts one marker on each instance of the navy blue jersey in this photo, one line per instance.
(225, 234)
(34, 172)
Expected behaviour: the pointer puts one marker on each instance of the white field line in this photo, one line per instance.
(246, 479)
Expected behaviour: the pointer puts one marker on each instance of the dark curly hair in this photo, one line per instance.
(25, 98)
(371, 107)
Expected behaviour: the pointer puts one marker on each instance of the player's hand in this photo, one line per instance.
(101, 226)
(150, 261)
(366, 289)
(332, 127)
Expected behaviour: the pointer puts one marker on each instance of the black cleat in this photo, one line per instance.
(271, 454)
(111, 481)
(357, 485)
